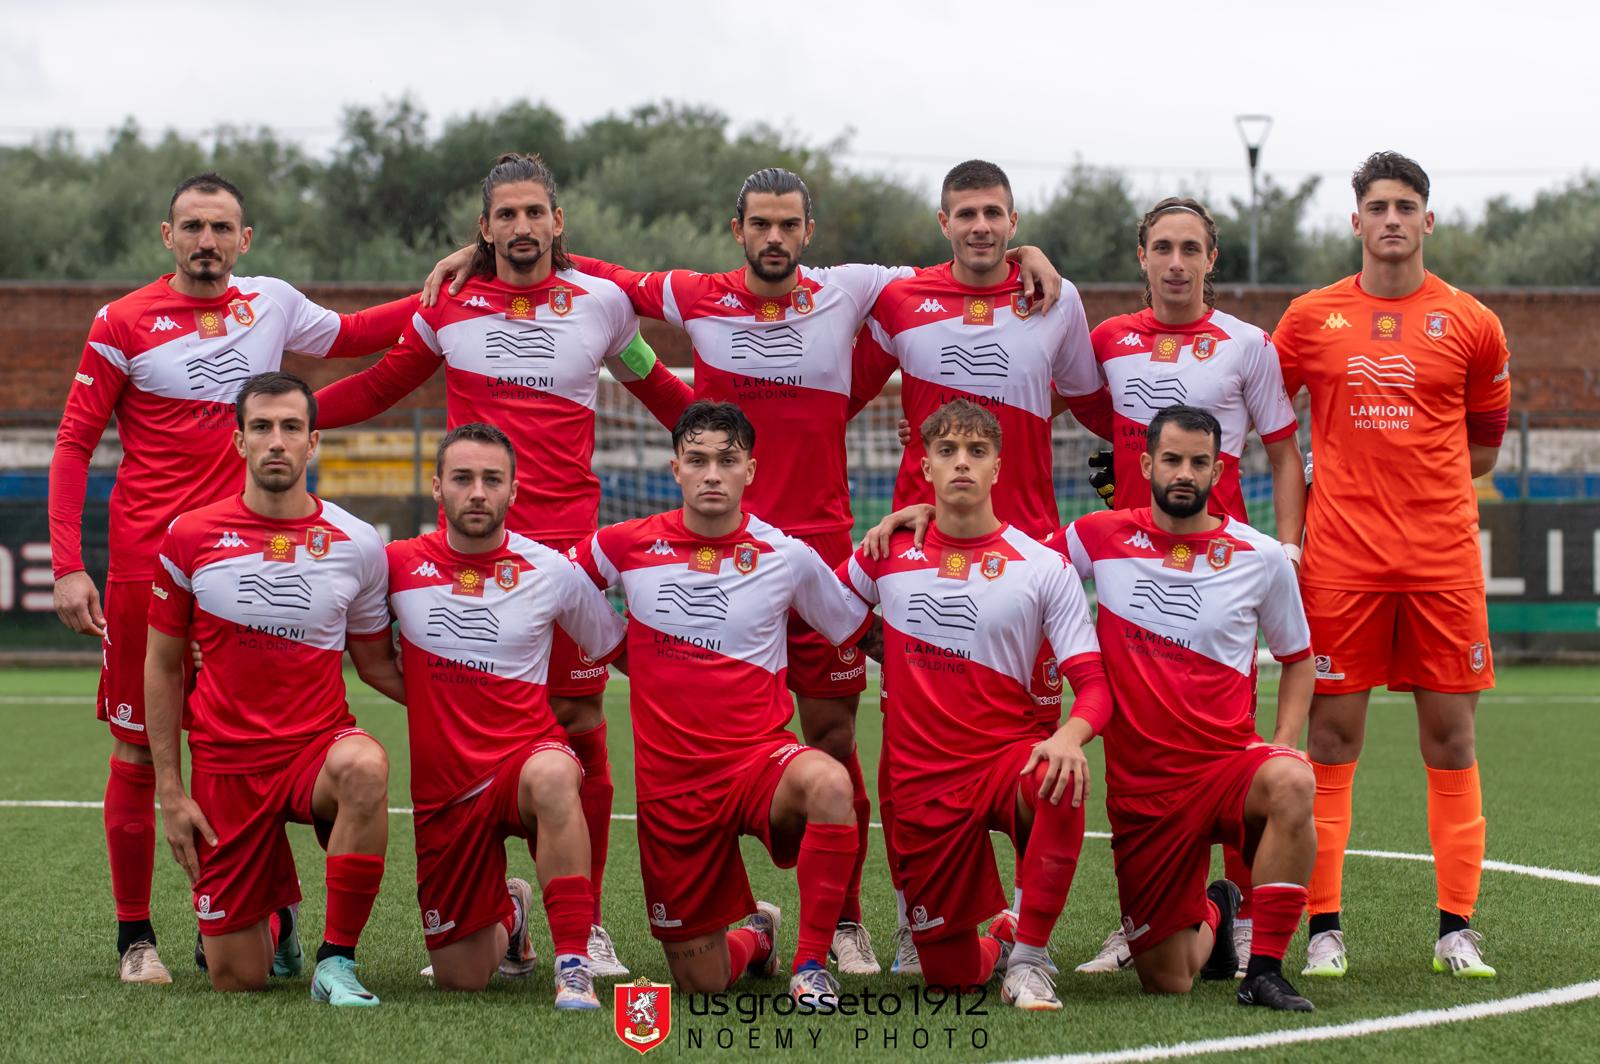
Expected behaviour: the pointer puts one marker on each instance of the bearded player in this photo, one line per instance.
(964, 618)
(709, 589)
(477, 607)
(274, 585)
(167, 360)
(1410, 386)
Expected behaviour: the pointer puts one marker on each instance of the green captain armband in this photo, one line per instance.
(639, 357)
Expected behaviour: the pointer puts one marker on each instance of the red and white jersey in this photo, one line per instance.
(1178, 617)
(989, 346)
(786, 362)
(963, 620)
(475, 632)
(708, 623)
(169, 366)
(271, 604)
(1218, 363)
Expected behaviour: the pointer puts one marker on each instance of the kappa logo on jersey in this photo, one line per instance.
(1166, 348)
(1157, 394)
(519, 308)
(476, 302)
(1131, 340)
(318, 541)
(1336, 321)
(1181, 556)
(977, 310)
(470, 624)
(229, 539)
(159, 592)
(745, 557)
(215, 372)
(992, 564)
(426, 569)
(1179, 603)
(801, 300)
(984, 360)
(955, 616)
(1219, 554)
(705, 559)
(1140, 539)
(1478, 656)
(291, 592)
(103, 313)
(279, 548)
(161, 324)
(242, 313)
(913, 554)
(209, 324)
(930, 306)
(560, 301)
(770, 345)
(84, 379)
(1205, 346)
(698, 607)
(661, 548)
(642, 1011)
(506, 574)
(1503, 375)
(469, 582)
(1386, 373)
(1435, 325)
(954, 565)
(533, 342)
(1386, 324)
(731, 301)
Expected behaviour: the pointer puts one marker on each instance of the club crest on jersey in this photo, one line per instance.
(560, 301)
(1166, 348)
(1181, 556)
(1021, 305)
(1052, 674)
(802, 301)
(769, 310)
(519, 308)
(642, 1014)
(1219, 554)
(705, 559)
(1478, 656)
(954, 565)
(1205, 345)
(506, 574)
(280, 548)
(1435, 325)
(318, 540)
(468, 582)
(209, 324)
(977, 310)
(992, 564)
(242, 313)
(745, 556)
(1386, 324)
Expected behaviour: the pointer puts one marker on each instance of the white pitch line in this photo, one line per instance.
(1409, 1021)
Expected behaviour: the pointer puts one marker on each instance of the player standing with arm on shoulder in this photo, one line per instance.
(274, 585)
(166, 360)
(1410, 386)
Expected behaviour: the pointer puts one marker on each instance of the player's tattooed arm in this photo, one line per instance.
(871, 642)
(181, 817)
(917, 517)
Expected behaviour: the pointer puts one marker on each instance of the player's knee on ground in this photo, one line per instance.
(469, 964)
(235, 971)
(829, 725)
(1165, 970)
(954, 961)
(580, 714)
(549, 783)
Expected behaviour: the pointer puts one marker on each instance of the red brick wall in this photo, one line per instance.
(1554, 334)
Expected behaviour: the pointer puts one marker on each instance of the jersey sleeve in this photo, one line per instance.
(322, 333)
(647, 291)
(1067, 623)
(586, 616)
(821, 600)
(1265, 397)
(1074, 371)
(864, 281)
(96, 388)
(859, 573)
(593, 560)
(1281, 614)
(1489, 372)
(172, 591)
(1070, 543)
(368, 616)
(1287, 347)
(872, 363)
(366, 394)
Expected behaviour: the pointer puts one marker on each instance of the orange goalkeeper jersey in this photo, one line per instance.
(1391, 383)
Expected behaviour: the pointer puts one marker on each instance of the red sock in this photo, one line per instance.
(130, 817)
(595, 794)
(1048, 862)
(568, 903)
(827, 858)
(1238, 873)
(959, 960)
(886, 815)
(745, 945)
(1277, 919)
(275, 929)
(353, 881)
(863, 807)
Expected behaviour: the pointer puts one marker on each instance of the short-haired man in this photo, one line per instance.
(1410, 386)
(522, 345)
(274, 585)
(964, 618)
(166, 360)
(477, 607)
(1182, 594)
(709, 589)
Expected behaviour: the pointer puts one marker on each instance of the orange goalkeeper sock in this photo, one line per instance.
(1331, 810)
(1456, 829)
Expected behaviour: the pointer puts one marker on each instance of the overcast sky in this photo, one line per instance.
(1492, 98)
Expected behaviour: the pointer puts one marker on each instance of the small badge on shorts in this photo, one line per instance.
(992, 564)
(318, 540)
(705, 559)
(1166, 348)
(468, 582)
(954, 565)
(1205, 345)
(1181, 556)
(1324, 665)
(1478, 656)
(280, 548)
(848, 655)
(506, 574)
(801, 300)
(1219, 554)
(1435, 325)
(745, 557)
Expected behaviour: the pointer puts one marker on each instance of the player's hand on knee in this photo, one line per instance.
(916, 517)
(454, 268)
(1103, 475)
(182, 820)
(1067, 769)
(77, 603)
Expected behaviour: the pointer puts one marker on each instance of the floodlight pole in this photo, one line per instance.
(1253, 131)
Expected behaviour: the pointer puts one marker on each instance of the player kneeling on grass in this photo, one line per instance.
(709, 589)
(963, 619)
(478, 607)
(273, 585)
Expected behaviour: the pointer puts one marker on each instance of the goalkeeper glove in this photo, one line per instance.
(1103, 476)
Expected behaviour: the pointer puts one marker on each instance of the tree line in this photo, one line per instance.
(654, 188)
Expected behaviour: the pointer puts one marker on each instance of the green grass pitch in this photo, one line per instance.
(59, 998)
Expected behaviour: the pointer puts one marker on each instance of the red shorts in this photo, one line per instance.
(461, 854)
(1161, 844)
(1435, 640)
(1046, 687)
(250, 873)
(946, 860)
(817, 668)
(694, 878)
(573, 674)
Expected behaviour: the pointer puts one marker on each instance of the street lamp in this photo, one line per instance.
(1253, 130)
